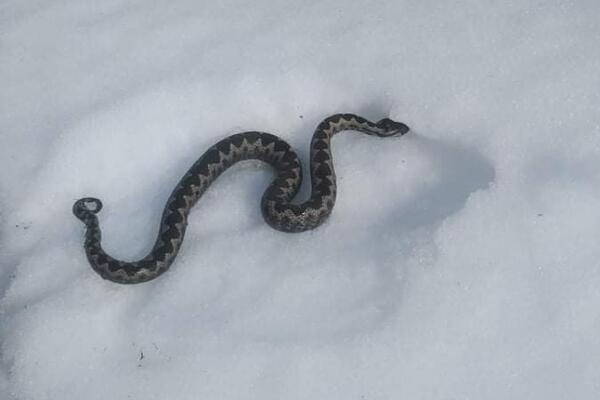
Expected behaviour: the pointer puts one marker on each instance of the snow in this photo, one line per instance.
(460, 261)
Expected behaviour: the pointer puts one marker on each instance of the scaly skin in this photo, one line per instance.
(276, 206)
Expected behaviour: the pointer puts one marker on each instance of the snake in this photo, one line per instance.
(278, 209)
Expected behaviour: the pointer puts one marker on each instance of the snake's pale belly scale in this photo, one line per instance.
(276, 206)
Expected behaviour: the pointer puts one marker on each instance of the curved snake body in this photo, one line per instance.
(276, 206)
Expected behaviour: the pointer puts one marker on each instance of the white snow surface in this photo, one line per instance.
(461, 260)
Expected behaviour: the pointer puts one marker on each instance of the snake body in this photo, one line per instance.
(276, 206)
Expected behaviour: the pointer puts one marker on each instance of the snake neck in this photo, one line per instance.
(352, 122)
(323, 178)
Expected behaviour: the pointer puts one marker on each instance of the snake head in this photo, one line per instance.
(391, 127)
(85, 207)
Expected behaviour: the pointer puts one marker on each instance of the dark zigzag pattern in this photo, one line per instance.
(275, 205)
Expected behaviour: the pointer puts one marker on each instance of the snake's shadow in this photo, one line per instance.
(456, 172)
(459, 172)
